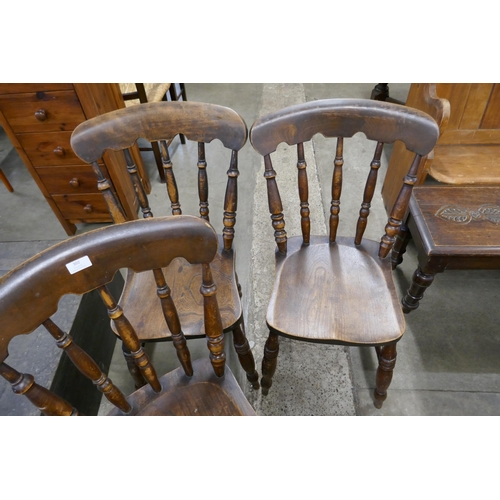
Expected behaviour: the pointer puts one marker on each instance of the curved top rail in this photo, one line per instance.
(379, 121)
(156, 121)
(30, 293)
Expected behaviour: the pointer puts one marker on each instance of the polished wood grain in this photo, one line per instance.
(320, 284)
(336, 289)
(140, 245)
(157, 122)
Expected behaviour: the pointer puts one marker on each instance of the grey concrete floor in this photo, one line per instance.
(448, 358)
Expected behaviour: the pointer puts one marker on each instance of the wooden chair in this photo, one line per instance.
(140, 93)
(88, 262)
(334, 289)
(202, 123)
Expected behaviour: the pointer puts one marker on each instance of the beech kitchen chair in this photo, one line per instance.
(335, 289)
(140, 93)
(89, 262)
(200, 122)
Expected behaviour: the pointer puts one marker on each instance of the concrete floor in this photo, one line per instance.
(448, 358)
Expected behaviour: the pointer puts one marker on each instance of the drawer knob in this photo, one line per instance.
(59, 151)
(41, 115)
(87, 208)
(74, 182)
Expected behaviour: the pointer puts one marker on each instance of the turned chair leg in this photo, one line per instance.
(269, 362)
(420, 282)
(247, 361)
(386, 363)
(399, 248)
(133, 369)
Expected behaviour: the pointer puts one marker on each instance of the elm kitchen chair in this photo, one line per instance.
(336, 289)
(89, 262)
(200, 122)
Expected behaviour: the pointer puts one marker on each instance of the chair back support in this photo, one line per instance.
(89, 262)
(159, 122)
(378, 121)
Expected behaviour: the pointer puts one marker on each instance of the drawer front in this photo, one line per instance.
(52, 149)
(17, 88)
(70, 179)
(83, 207)
(42, 111)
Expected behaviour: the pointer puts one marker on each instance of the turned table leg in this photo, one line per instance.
(422, 279)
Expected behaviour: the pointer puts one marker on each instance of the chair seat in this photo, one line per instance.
(335, 293)
(154, 91)
(203, 394)
(143, 308)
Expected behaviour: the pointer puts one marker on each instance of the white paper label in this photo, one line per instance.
(78, 265)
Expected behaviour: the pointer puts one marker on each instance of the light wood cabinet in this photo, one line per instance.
(39, 120)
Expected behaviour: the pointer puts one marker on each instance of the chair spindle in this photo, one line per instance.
(173, 322)
(305, 221)
(138, 187)
(371, 182)
(129, 338)
(104, 186)
(171, 184)
(203, 182)
(399, 209)
(87, 366)
(213, 322)
(275, 206)
(336, 189)
(46, 401)
(230, 202)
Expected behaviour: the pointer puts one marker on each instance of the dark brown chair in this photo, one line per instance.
(141, 93)
(89, 262)
(330, 289)
(202, 123)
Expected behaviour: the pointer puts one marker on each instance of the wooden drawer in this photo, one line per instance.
(17, 88)
(47, 150)
(70, 179)
(42, 111)
(83, 207)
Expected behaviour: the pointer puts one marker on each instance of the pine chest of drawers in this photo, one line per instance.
(39, 120)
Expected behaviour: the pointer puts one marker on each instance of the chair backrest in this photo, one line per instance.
(159, 122)
(378, 121)
(89, 262)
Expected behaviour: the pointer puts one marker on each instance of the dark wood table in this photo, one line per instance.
(453, 227)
